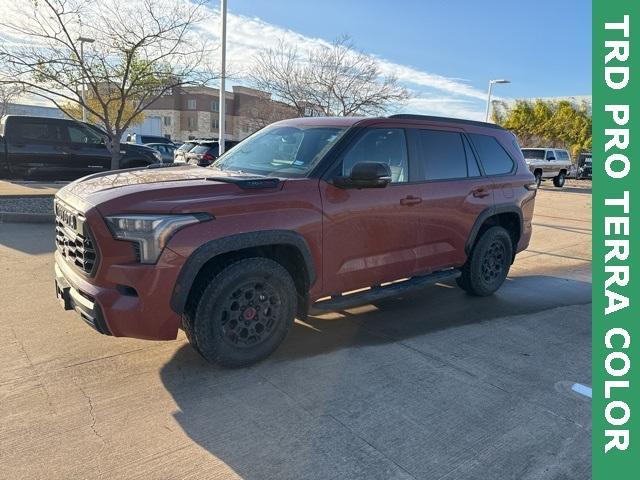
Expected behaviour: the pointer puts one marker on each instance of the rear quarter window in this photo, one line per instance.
(494, 158)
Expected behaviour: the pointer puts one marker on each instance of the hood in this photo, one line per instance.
(87, 186)
(166, 183)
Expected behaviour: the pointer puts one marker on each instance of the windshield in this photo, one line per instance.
(536, 153)
(281, 151)
(200, 149)
(186, 147)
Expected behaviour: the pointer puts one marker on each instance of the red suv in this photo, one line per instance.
(290, 221)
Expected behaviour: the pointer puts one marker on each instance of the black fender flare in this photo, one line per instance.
(231, 243)
(485, 215)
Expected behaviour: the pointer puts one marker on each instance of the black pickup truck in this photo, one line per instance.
(60, 149)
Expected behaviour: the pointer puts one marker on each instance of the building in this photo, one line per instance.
(193, 112)
(34, 110)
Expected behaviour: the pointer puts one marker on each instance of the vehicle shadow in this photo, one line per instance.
(32, 239)
(585, 191)
(257, 429)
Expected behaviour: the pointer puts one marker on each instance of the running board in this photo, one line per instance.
(341, 302)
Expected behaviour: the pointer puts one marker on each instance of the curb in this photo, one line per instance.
(12, 217)
(14, 196)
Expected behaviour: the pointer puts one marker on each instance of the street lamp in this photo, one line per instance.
(82, 41)
(491, 83)
(221, 95)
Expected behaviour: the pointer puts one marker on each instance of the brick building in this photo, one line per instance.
(193, 112)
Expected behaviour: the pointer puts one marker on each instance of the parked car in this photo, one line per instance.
(54, 148)
(140, 139)
(585, 169)
(179, 155)
(205, 152)
(167, 150)
(287, 222)
(547, 163)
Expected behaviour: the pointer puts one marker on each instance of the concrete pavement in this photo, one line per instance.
(436, 386)
(16, 188)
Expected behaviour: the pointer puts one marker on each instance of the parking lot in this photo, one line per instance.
(438, 385)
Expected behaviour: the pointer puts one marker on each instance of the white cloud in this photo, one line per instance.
(432, 93)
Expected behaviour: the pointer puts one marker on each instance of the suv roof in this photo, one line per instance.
(352, 121)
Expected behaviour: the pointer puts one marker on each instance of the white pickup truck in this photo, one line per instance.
(548, 163)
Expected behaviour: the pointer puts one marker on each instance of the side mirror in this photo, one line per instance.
(366, 175)
(551, 158)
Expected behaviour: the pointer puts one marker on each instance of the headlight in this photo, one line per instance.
(150, 232)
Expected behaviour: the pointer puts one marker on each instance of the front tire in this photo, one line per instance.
(538, 176)
(243, 313)
(488, 265)
(558, 181)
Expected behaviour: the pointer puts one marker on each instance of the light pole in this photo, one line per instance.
(223, 44)
(491, 83)
(82, 41)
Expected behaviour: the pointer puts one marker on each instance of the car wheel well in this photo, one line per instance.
(286, 255)
(510, 221)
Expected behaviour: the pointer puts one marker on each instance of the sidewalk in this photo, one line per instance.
(22, 189)
(27, 202)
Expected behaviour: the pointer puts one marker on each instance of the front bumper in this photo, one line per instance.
(132, 300)
(72, 298)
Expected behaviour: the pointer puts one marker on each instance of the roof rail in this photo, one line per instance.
(409, 116)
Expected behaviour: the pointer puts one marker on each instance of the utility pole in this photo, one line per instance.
(82, 41)
(223, 41)
(491, 83)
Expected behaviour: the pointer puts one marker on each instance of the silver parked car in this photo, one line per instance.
(547, 163)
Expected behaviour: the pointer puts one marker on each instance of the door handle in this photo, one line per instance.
(480, 192)
(410, 200)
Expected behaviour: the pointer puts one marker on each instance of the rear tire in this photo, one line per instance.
(558, 181)
(489, 263)
(240, 315)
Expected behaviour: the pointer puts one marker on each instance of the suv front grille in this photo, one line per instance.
(73, 239)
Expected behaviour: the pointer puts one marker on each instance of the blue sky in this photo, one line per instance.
(543, 46)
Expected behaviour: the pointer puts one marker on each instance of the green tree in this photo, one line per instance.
(544, 123)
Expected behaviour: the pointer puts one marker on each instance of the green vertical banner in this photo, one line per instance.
(616, 268)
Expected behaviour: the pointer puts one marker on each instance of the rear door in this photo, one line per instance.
(498, 166)
(453, 190)
(88, 150)
(36, 147)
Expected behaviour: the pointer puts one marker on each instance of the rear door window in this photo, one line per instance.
(494, 158)
(472, 162)
(36, 131)
(442, 155)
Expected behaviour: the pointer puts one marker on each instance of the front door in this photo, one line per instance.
(88, 150)
(369, 234)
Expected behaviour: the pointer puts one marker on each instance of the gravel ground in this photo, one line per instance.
(27, 205)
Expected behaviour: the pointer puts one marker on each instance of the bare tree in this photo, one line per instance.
(141, 50)
(265, 111)
(333, 79)
(8, 93)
